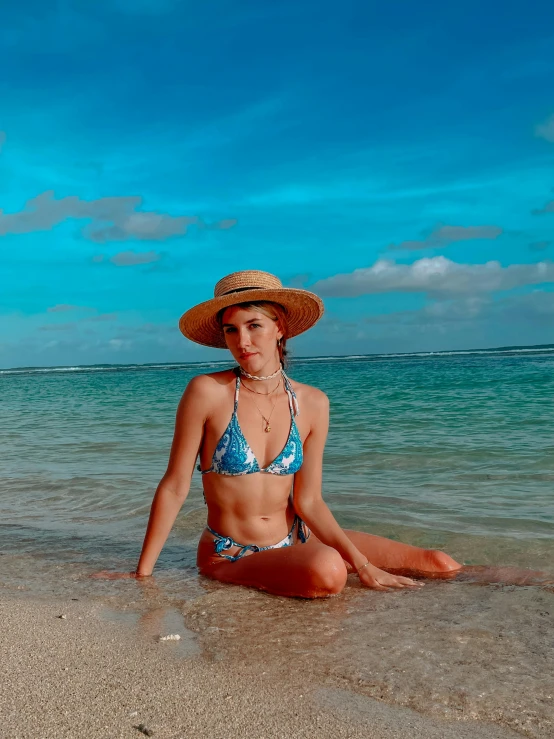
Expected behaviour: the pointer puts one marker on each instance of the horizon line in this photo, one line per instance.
(314, 356)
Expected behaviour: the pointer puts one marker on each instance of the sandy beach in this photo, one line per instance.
(484, 670)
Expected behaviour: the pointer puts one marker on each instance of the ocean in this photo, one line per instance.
(453, 450)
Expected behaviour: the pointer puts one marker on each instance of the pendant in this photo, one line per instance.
(267, 429)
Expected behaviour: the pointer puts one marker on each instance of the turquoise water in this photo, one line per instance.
(451, 450)
(454, 450)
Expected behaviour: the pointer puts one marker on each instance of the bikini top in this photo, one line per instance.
(233, 455)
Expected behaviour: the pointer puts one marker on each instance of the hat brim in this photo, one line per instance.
(200, 324)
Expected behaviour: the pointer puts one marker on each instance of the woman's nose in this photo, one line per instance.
(243, 339)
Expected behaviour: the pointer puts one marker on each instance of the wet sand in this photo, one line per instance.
(453, 661)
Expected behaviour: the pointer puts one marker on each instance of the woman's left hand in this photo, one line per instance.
(376, 579)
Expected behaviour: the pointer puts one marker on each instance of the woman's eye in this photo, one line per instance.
(229, 329)
(254, 325)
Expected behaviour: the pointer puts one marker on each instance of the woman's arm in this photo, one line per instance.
(175, 484)
(311, 507)
(308, 502)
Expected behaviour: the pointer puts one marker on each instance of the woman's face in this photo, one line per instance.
(251, 337)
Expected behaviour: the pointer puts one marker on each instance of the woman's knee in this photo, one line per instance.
(440, 561)
(327, 572)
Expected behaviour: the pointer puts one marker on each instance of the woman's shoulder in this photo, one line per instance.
(211, 383)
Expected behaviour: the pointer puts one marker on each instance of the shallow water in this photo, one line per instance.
(453, 451)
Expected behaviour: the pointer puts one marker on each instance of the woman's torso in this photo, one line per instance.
(255, 507)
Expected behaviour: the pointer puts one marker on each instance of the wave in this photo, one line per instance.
(475, 352)
(543, 349)
(114, 368)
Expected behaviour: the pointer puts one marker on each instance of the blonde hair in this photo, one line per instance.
(272, 310)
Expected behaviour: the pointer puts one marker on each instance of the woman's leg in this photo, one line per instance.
(393, 555)
(310, 570)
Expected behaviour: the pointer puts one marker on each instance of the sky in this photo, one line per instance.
(395, 158)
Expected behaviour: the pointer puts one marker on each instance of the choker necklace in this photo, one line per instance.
(254, 377)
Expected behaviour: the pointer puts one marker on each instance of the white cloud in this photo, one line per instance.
(442, 235)
(109, 219)
(130, 258)
(63, 307)
(547, 208)
(531, 308)
(535, 307)
(465, 309)
(439, 313)
(140, 226)
(222, 225)
(436, 276)
(545, 130)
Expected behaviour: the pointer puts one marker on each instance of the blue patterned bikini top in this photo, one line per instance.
(233, 455)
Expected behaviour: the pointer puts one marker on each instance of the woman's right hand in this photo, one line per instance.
(376, 579)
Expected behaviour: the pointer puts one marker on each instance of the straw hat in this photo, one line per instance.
(200, 323)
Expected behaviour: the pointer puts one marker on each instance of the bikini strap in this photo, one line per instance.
(237, 387)
(223, 543)
(293, 400)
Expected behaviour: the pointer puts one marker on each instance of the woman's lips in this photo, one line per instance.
(247, 355)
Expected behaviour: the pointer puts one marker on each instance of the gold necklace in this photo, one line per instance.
(267, 426)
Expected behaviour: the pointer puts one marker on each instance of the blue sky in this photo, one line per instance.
(397, 158)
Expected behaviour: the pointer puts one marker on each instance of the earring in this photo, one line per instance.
(278, 342)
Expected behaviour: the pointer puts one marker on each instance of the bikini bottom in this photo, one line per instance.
(223, 543)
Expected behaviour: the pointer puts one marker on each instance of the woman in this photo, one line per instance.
(260, 438)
